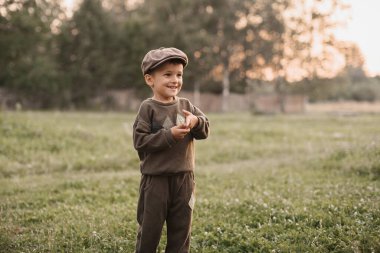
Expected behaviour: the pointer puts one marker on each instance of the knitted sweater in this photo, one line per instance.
(159, 152)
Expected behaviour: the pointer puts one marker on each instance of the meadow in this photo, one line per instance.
(282, 183)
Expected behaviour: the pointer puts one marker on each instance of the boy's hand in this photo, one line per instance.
(179, 132)
(191, 120)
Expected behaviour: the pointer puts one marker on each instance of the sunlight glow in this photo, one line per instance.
(362, 29)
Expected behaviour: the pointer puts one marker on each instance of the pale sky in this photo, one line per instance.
(361, 29)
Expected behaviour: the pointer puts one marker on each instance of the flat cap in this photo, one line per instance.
(158, 56)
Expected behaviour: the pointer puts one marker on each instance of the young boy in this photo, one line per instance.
(163, 135)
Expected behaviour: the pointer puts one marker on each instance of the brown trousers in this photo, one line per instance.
(165, 198)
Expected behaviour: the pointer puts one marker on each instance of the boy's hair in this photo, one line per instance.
(174, 61)
(157, 57)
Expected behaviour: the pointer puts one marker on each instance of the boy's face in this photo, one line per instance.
(165, 81)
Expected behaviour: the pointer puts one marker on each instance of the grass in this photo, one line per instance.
(301, 183)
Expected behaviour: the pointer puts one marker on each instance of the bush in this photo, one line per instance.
(365, 91)
(338, 88)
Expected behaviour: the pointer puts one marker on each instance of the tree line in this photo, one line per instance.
(60, 60)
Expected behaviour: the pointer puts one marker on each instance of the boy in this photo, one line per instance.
(163, 135)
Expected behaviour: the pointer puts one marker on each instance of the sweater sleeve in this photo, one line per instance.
(144, 140)
(201, 130)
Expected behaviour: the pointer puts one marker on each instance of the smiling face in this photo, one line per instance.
(165, 81)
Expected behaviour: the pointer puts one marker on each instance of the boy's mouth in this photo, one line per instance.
(173, 87)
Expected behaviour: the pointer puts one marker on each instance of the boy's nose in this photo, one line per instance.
(175, 79)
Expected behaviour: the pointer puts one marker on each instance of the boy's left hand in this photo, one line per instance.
(191, 120)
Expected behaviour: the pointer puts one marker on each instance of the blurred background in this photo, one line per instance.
(278, 56)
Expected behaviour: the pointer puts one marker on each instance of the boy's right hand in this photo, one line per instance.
(179, 132)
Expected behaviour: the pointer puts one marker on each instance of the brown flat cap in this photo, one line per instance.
(158, 56)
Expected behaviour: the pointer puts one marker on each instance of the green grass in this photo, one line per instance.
(304, 183)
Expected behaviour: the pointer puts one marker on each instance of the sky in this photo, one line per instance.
(361, 28)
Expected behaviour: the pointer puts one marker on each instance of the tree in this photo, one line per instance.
(133, 47)
(88, 52)
(26, 63)
(310, 46)
(246, 35)
(304, 46)
(220, 26)
(354, 61)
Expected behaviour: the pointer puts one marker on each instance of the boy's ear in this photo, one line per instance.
(149, 80)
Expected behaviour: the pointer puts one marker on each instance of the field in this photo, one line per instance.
(301, 183)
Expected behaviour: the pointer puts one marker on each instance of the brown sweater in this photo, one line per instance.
(158, 151)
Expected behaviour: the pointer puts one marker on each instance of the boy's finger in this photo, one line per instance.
(182, 126)
(184, 130)
(187, 113)
(188, 121)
